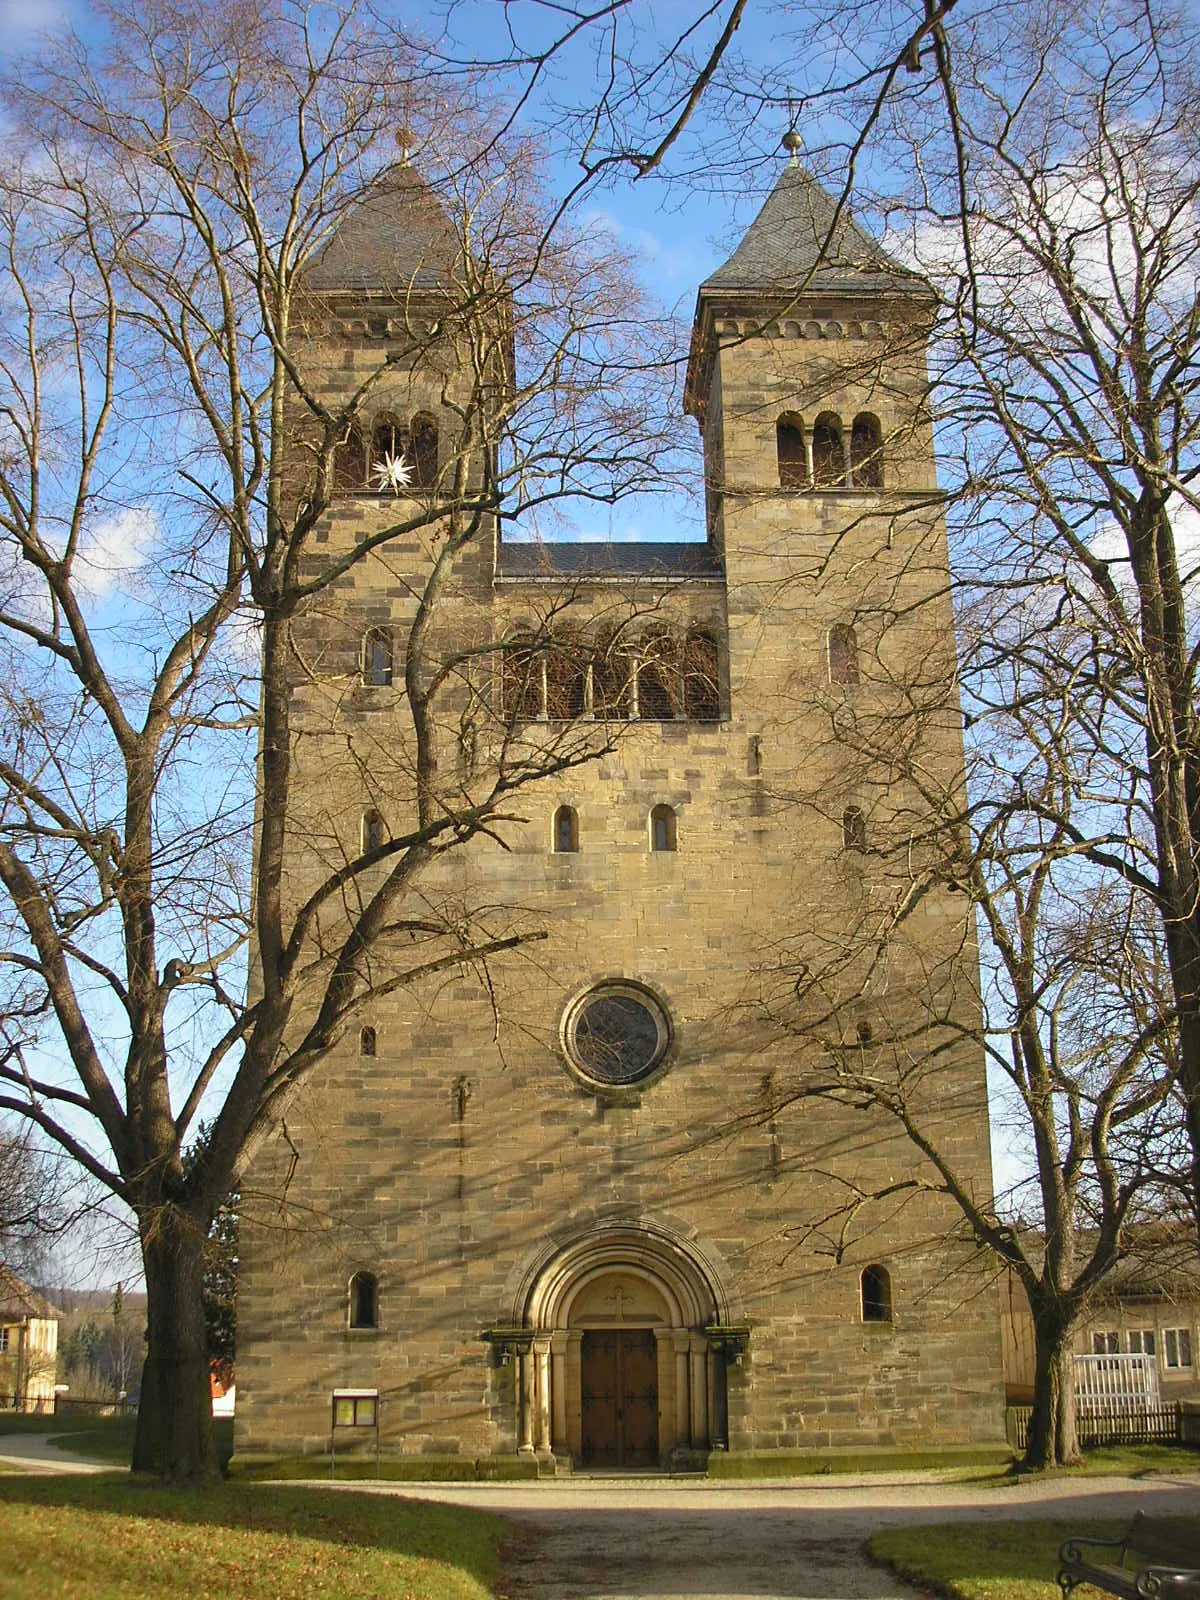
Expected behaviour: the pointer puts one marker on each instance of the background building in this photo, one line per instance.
(28, 1346)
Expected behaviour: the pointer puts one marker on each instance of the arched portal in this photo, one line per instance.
(626, 1363)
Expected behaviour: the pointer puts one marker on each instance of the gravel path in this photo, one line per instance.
(38, 1452)
(611, 1539)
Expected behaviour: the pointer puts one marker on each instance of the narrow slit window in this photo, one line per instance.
(366, 1042)
(789, 449)
(657, 695)
(377, 658)
(701, 677)
(522, 679)
(372, 832)
(854, 830)
(566, 831)
(843, 655)
(662, 829)
(876, 1288)
(364, 1300)
(423, 450)
(612, 681)
(866, 452)
(829, 461)
(388, 442)
(350, 461)
(566, 680)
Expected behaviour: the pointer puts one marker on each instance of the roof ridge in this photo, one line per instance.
(801, 241)
(396, 236)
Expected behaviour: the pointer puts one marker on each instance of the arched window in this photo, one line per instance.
(372, 832)
(657, 679)
(350, 461)
(566, 678)
(876, 1287)
(522, 674)
(701, 677)
(612, 680)
(366, 1042)
(789, 447)
(662, 828)
(389, 440)
(866, 452)
(423, 450)
(377, 657)
(364, 1300)
(854, 829)
(843, 654)
(566, 831)
(829, 461)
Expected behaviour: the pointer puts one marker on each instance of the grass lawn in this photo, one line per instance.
(114, 1538)
(985, 1560)
(988, 1560)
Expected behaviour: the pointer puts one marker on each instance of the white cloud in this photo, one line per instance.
(31, 17)
(1109, 544)
(112, 551)
(242, 638)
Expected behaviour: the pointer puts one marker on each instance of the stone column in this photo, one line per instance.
(718, 1414)
(808, 459)
(525, 1403)
(573, 1392)
(541, 1389)
(558, 1395)
(682, 1340)
(699, 1363)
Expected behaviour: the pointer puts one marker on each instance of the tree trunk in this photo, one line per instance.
(174, 1438)
(1053, 1439)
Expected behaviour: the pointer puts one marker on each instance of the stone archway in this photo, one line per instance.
(614, 1290)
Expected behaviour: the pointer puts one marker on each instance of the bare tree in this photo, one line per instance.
(1055, 216)
(169, 457)
(1062, 232)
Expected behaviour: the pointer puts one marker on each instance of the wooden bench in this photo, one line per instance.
(1158, 1556)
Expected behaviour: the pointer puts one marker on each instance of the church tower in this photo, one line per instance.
(615, 1207)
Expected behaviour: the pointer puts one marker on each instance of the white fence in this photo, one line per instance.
(1107, 1386)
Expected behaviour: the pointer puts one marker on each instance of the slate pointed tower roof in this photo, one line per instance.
(785, 249)
(793, 252)
(397, 239)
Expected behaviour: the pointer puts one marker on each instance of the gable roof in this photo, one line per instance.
(620, 559)
(18, 1300)
(395, 239)
(790, 248)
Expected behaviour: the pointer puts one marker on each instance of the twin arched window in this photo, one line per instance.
(415, 442)
(820, 460)
(363, 1309)
(565, 830)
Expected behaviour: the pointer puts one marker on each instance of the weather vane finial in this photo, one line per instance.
(791, 141)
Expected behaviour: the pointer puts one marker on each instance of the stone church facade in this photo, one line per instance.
(598, 1213)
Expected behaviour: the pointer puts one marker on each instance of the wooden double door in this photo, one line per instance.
(619, 1383)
